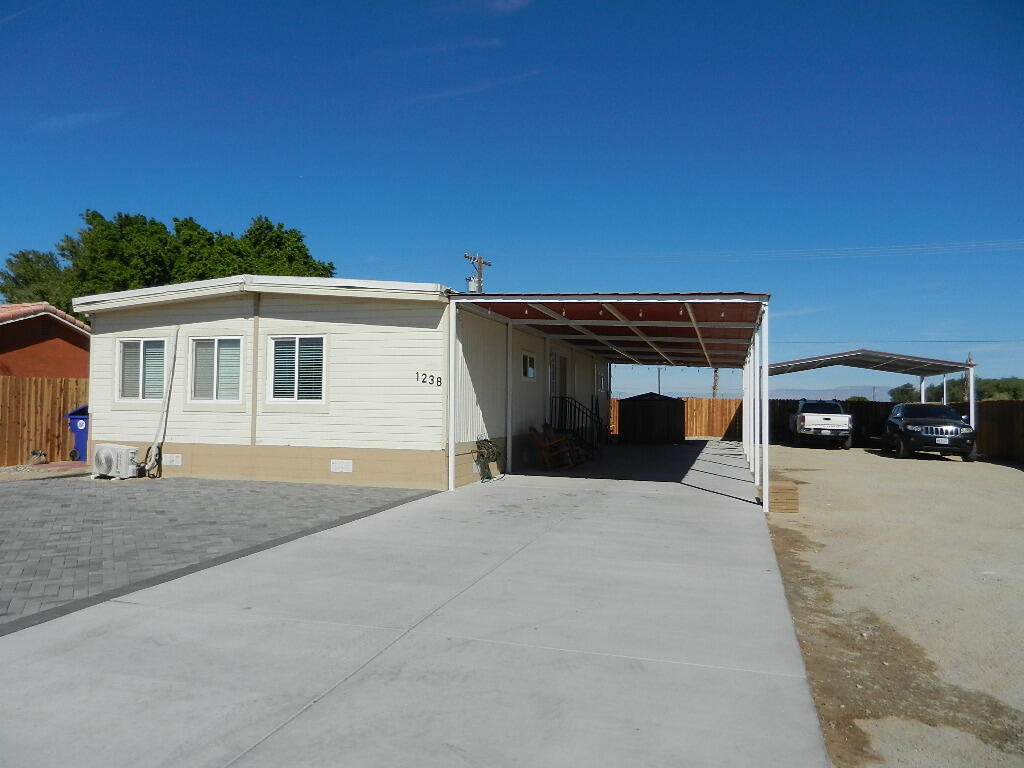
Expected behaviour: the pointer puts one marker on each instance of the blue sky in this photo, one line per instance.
(863, 162)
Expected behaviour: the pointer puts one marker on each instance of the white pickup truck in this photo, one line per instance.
(821, 420)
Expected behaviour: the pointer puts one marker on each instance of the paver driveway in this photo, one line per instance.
(70, 542)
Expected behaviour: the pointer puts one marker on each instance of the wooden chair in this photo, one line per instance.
(577, 452)
(552, 449)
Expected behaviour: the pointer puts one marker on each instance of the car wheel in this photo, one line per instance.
(886, 448)
(902, 452)
(972, 454)
(845, 445)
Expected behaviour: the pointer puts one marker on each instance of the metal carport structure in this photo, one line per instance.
(872, 360)
(705, 330)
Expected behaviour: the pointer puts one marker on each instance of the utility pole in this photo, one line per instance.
(714, 385)
(475, 283)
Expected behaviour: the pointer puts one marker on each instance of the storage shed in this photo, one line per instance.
(652, 418)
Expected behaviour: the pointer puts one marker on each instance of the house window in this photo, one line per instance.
(142, 369)
(600, 378)
(216, 369)
(529, 366)
(298, 368)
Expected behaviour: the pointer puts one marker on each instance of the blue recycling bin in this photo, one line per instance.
(78, 423)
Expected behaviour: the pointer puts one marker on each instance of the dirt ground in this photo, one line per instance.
(906, 582)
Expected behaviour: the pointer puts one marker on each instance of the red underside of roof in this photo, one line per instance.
(631, 331)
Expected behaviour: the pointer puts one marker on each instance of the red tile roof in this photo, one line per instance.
(12, 312)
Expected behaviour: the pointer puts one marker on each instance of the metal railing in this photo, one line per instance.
(569, 415)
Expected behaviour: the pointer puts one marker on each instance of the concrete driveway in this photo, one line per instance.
(533, 621)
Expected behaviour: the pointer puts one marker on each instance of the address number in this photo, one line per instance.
(429, 379)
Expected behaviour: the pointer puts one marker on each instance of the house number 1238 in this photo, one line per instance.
(429, 379)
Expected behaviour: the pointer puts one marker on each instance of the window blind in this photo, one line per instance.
(153, 369)
(229, 372)
(202, 369)
(284, 368)
(311, 368)
(131, 369)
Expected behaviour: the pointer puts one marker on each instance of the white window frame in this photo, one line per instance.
(528, 354)
(294, 400)
(119, 362)
(216, 363)
(600, 377)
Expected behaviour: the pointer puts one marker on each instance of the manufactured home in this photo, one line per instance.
(381, 383)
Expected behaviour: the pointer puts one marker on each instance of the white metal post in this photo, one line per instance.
(453, 331)
(922, 388)
(547, 383)
(766, 468)
(747, 409)
(508, 397)
(755, 390)
(752, 405)
(970, 395)
(945, 398)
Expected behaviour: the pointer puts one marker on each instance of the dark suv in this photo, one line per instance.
(928, 427)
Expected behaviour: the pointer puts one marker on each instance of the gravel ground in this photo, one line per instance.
(905, 579)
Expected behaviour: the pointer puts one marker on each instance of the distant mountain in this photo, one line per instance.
(839, 393)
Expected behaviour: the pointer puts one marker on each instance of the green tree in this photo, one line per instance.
(1008, 388)
(857, 399)
(203, 254)
(904, 393)
(119, 254)
(270, 249)
(131, 251)
(955, 391)
(37, 276)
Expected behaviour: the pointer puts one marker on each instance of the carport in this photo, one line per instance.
(909, 365)
(700, 330)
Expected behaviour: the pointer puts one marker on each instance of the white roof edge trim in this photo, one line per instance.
(260, 284)
(50, 314)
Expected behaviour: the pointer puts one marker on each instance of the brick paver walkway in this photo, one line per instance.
(70, 542)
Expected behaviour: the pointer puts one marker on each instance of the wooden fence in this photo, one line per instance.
(1000, 422)
(718, 417)
(1001, 429)
(32, 417)
(705, 417)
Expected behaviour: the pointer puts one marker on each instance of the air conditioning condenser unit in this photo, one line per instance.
(112, 460)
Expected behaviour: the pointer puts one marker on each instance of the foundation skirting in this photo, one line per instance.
(394, 468)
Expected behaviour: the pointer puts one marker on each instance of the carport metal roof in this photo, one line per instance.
(708, 330)
(872, 360)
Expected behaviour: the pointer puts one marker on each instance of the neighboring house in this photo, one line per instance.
(368, 382)
(37, 339)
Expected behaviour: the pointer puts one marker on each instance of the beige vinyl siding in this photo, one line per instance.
(134, 420)
(373, 349)
(480, 365)
(584, 384)
(529, 398)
